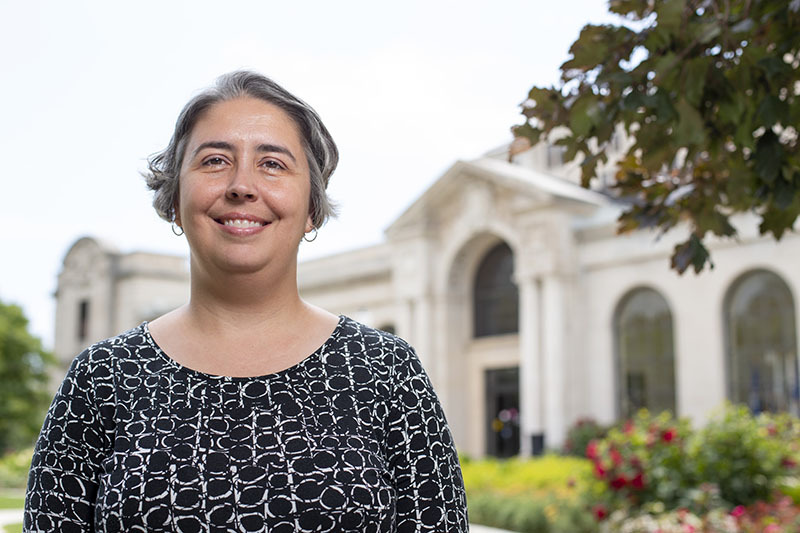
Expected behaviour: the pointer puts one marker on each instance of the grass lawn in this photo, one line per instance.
(12, 500)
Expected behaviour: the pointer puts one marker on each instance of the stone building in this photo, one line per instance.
(102, 292)
(527, 309)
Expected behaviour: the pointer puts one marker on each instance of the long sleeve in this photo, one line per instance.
(63, 479)
(423, 461)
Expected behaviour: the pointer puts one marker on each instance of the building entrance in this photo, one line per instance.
(502, 412)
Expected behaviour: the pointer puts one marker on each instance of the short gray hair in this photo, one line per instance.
(321, 152)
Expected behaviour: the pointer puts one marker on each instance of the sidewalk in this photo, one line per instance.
(485, 529)
(10, 516)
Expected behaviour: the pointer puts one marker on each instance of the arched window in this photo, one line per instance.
(496, 301)
(645, 355)
(762, 343)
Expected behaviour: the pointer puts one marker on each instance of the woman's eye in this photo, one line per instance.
(272, 164)
(214, 161)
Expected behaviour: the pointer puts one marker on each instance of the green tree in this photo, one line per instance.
(708, 90)
(24, 392)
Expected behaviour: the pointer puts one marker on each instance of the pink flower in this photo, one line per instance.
(618, 482)
(600, 512)
(772, 528)
(599, 471)
(616, 457)
(591, 449)
(738, 511)
(628, 427)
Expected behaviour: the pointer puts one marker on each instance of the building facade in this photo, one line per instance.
(526, 307)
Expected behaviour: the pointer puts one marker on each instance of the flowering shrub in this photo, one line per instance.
(736, 460)
(643, 461)
(780, 516)
(746, 456)
(654, 519)
(581, 434)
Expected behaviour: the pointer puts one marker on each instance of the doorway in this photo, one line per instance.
(502, 412)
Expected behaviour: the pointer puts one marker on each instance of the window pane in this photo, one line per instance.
(645, 355)
(762, 350)
(496, 302)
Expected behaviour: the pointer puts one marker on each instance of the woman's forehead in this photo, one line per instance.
(246, 119)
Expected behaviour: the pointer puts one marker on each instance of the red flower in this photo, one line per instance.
(616, 457)
(618, 482)
(638, 481)
(591, 449)
(599, 471)
(600, 512)
(628, 427)
(738, 511)
(669, 435)
(788, 462)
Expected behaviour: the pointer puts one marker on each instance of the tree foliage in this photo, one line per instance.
(709, 93)
(24, 392)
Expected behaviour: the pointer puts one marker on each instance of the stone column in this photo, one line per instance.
(554, 353)
(530, 368)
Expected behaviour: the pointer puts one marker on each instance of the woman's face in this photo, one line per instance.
(244, 188)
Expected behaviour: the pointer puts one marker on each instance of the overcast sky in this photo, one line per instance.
(90, 89)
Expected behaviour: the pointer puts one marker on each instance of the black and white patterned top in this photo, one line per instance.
(350, 439)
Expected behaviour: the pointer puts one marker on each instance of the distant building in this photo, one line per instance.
(102, 292)
(527, 309)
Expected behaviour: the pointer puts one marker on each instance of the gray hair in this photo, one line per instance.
(321, 152)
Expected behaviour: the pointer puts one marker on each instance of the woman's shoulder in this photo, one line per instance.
(384, 352)
(131, 344)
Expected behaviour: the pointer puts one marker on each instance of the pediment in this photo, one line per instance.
(482, 184)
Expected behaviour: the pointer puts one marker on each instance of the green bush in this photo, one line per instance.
(540, 495)
(745, 456)
(14, 468)
(737, 459)
(581, 434)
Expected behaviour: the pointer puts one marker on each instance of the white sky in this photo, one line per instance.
(90, 89)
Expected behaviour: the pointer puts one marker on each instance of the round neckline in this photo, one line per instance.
(217, 377)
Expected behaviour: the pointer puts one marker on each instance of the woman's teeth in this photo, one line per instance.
(239, 223)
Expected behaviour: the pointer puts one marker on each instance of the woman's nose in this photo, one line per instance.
(242, 186)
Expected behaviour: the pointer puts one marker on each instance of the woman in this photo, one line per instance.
(247, 409)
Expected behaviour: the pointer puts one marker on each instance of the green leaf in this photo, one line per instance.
(695, 79)
(584, 114)
(589, 50)
(776, 220)
(670, 13)
(527, 131)
(771, 111)
(690, 131)
(784, 193)
(768, 156)
(691, 253)
(773, 67)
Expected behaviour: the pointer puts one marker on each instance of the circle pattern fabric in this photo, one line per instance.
(351, 439)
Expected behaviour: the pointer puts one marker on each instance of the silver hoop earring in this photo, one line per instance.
(312, 239)
(175, 231)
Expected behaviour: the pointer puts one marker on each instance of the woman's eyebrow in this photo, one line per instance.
(276, 148)
(220, 145)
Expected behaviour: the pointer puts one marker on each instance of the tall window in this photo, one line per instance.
(496, 302)
(762, 343)
(645, 356)
(83, 320)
